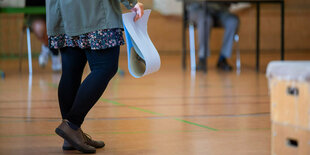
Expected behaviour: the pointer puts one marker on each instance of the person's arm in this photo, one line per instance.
(134, 6)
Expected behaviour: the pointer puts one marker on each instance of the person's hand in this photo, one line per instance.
(139, 10)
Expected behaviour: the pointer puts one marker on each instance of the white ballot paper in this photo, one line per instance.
(143, 57)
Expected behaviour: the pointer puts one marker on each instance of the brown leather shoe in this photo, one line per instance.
(94, 143)
(89, 141)
(67, 146)
(75, 137)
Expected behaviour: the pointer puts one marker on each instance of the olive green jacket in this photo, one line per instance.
(76, 17)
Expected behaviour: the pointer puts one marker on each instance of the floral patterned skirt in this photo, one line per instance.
(97, 40)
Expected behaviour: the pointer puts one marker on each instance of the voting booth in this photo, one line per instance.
(289, 87)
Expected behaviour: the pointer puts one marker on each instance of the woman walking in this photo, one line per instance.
(85, 31)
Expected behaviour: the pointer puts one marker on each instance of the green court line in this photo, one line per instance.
(4, 56)
(26, 10)
(158, 114)
(131, 107)
(192, 123)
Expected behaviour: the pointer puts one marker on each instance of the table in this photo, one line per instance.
(257, 2)
(26, 10)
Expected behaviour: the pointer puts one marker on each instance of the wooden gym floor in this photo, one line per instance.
(168, 112)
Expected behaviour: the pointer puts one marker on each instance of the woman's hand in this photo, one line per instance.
(139, 10)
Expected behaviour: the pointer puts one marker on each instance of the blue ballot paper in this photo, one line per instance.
(143, 58)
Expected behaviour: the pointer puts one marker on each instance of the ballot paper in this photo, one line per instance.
(143, 58)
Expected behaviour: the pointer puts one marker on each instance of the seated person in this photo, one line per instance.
(38, 26)
(205, 15)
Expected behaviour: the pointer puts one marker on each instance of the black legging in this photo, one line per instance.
(76, 98)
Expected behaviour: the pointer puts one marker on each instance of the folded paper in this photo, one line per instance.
(143, 57)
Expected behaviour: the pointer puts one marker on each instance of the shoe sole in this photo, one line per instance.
(100, 146)
(78, 147)
(65, 148)
(68, 148)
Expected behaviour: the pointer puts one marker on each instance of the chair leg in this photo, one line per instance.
(238, 61)
(29, 50)
(192, 46)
